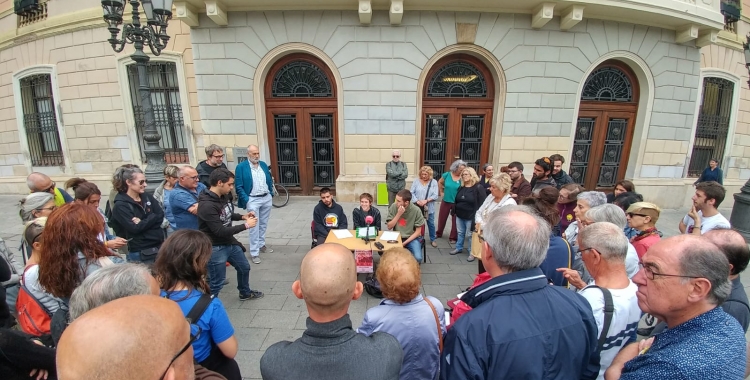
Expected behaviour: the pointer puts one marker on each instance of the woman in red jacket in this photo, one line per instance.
(642, 216)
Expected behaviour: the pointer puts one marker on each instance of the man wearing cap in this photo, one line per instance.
(642, 216)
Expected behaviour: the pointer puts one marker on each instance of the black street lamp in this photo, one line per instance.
(740, 218)
(154, 34)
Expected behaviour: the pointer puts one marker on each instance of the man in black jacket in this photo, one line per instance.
(328, 215)
(215, 217)
(558, 174)
(214, 160)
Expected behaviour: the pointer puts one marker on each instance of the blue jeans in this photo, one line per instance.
(415, 247)
(464, 228)
(431, 225)
(135, 257)
(217, 268)
(261, 206)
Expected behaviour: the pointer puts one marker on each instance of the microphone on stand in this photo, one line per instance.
(368, 221)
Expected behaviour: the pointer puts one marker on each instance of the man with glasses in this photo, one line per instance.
(254, 188)
(521, 188)
(183, 199)
(395, 177)
(148, 334)
(682, 281)
(41, 183)
(214, 159)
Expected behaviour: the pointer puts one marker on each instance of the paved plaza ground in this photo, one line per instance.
(280, 315)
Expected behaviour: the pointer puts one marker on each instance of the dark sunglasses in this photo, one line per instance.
(396, 156)
(47, 190)
(631, 214)
(193, 338)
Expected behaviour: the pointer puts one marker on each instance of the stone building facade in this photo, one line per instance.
(329, 93)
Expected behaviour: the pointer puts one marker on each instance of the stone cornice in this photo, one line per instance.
(83, 19)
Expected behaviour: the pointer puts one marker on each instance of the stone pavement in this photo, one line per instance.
(280, 315)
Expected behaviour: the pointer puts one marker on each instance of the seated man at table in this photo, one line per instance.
(328, 215)
(407, 219)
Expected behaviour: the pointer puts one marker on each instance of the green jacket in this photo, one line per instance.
(395, 177)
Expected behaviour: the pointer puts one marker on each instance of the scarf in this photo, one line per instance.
(646, 233)
(59, 200)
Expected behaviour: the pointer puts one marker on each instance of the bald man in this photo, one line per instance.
(41, 183)
(733, 245)
(142, 337)
(330, 348)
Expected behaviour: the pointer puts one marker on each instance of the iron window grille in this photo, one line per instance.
(301, 79)
(608, 84)
(40, 121)
(458, 79)
(165, 98)
(713, 124)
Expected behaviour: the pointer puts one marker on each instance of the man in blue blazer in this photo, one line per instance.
(254, 187)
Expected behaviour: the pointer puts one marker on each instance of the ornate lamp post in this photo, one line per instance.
(740, 218)
(154, 35)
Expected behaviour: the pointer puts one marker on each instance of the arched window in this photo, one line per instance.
(608, 84)
(301, 79)
(459, 79)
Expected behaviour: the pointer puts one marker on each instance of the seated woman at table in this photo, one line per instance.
(366, 208)
(407, 315)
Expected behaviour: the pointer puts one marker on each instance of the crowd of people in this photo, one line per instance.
(565, 275)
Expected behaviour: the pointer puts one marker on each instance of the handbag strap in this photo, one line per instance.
(609, 310)
(199, 308)
(427, 193)
(437, 323)
(105, 261)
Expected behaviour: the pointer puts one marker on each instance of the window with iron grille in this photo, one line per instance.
(713, 124)
(40, 121)
(165, 99)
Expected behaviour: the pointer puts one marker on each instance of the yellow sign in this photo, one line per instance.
(462, 79)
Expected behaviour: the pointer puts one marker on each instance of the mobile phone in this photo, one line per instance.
(129, 239)
(392, 241)
(379, 245)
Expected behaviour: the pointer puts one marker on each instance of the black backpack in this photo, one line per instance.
(116, 227)
(372, 286)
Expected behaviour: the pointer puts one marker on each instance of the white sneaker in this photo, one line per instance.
(256, 259)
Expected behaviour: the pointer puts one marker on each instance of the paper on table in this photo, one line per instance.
(342, 234)
(390, 235)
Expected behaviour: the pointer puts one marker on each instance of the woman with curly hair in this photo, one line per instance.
(559, 254)
(407, 315)
(71, 249)
(181, 271)
(469, 198)
(89, 194)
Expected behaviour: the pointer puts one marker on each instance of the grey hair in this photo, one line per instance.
(213, 148)
(108, 284)
(607, 238)
(705, 260)
(33, 202)
(593, 198)
(607, 213)
(517, 246)
(456, 164)
(184, 169)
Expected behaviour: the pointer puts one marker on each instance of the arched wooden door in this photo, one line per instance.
(457, 104)
(604, 131)
(301, 118)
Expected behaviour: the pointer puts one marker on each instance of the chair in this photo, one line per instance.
(312, 233)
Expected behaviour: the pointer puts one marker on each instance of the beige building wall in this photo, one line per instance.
(96, 136)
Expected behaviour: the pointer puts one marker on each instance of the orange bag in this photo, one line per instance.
(33, 317)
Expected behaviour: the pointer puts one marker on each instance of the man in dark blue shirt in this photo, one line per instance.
(183, 200)
(682, 281)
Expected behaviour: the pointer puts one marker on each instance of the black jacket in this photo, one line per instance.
(204, 171)
(562, 179)
(215, 217)
(148, 232)
(335, 215)
(468, 201)
(358, 217)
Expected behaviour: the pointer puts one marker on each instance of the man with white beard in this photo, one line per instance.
(254, 187)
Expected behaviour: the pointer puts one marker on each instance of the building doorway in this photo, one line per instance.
(457, 108)
(301, 118)
(605, 126)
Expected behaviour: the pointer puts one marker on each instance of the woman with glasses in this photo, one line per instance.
(642, 216)
(181, 272)
(161, 194)
(88, 193)
(36, 205)
(137, 215)
(469, 198)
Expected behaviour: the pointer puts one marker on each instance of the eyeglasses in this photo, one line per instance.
(632, 214)
(50, 188)
(651, 275)
(585, 249)
(193, 338)
(51, 208)
(396, 156)
(141, 182)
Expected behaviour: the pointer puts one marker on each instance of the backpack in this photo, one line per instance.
(372, 286)
(33, 317)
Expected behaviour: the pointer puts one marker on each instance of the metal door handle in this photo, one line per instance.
(309, 157)
(456, 157)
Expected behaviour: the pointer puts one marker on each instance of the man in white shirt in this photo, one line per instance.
(704, 216)
(603, 251)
